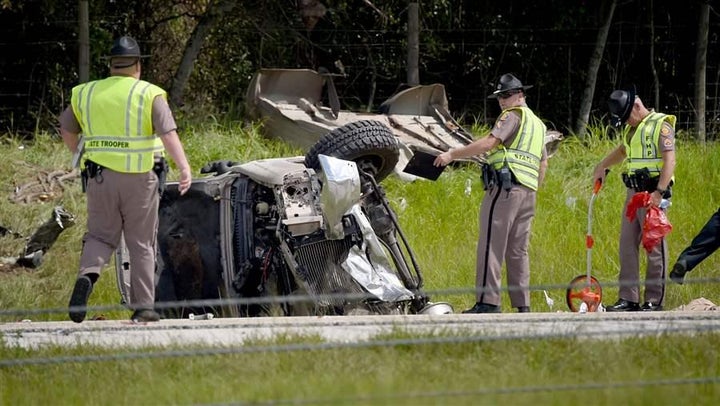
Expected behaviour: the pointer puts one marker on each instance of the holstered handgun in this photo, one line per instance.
(161, 169)
(488, 176)
(92, 170)
(643, 181)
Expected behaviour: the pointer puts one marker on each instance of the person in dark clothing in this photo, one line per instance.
(702, 246)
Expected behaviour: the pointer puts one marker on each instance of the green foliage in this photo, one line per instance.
(440, 221)
(465, 45)
(557, 248)
(445, 250)
(554, 372)
(24, 161)
(230, 141)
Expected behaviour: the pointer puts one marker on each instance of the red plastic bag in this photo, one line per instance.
(656, 224)
(655, 228)
(638, 201)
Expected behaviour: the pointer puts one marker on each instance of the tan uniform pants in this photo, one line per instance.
(505, 220)
(657, 261)
(126, 203)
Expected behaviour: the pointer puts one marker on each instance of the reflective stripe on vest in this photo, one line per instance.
(524, 154)
(115, 115)
(642, 149)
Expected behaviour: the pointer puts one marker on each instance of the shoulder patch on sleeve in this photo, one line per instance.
(665, 130)
(667, 142)
(501, 119)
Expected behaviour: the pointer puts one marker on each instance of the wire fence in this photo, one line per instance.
(439, 331)
(19, 313)
(31, 92)
(448, 395)
(24, 90)
(280, 348)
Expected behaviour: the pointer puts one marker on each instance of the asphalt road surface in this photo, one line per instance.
(355, 329)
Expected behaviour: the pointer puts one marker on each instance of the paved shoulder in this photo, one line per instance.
(236, 331)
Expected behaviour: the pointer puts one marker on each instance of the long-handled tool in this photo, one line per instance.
(585, 292)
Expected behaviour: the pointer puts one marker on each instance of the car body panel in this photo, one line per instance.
(289, 103)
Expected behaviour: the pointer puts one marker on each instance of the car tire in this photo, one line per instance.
(371, 144)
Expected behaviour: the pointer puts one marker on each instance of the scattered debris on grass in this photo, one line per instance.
(46, 186)
(41, 241)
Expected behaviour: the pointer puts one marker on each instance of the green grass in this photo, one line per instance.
(49, 285)
(550, 372)
(441, 222)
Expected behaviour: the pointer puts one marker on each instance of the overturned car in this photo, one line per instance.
(310, 235)
(299, 106)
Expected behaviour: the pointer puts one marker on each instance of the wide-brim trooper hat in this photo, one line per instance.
(508, 82)
(125, 47)
(620, 105)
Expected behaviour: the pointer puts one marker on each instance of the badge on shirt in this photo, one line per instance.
(667, 142)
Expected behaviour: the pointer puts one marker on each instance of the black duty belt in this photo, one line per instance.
(642, 180)
(502, 177)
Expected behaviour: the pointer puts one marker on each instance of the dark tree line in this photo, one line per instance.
(204, 52)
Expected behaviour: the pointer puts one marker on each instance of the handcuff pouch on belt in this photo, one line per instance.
(642, 181)
(92, 170)
(502, 177)
(161, 169)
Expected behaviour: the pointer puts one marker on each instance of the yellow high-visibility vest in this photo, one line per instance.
(642, 149)
(115, 115)
(524, 154)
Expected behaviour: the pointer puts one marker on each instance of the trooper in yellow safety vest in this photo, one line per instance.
(126, 127)
(648, 150)
(516, 164)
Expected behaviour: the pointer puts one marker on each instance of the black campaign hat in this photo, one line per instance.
(507, 83)
(125, 47)
(620, 105)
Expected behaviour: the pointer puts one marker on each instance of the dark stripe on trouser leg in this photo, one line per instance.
(487, 244)
(663, 274)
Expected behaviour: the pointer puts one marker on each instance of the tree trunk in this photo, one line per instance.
(193, 46)
(413, 51)
(701, 68)
(84, 42)
(592, 71)
(656, 79)
(373, 80)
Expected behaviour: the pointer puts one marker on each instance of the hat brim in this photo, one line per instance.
(108, 57)
(495, 94)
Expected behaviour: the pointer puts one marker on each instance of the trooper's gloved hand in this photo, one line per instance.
(219, 167)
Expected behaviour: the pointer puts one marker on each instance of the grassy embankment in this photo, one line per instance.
(441, 223)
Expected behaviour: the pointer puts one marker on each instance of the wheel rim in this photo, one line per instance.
(582, 290)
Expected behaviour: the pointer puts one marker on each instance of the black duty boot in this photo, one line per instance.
(623, 305)
(523, 309)
(678, 272)
(79, 299)
(483, 308)
(144, 316)
(650, 307)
